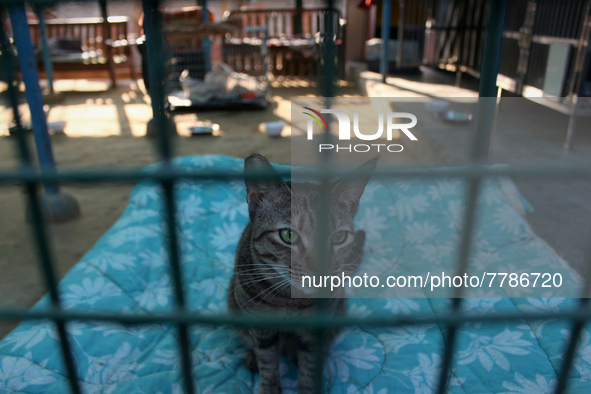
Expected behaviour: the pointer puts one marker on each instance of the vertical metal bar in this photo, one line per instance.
(486, 111)
(156, 74)
(386, 8)
(329, 56)
(17, 12)
(265, 55)
(297, 18)
(205, 42)
(576, 73)
(463, 260)
(576, 330)
(488, 78)
(328, 91)
(28, 67)
(105, 43)
(400, 38)
(44, 47)
(154, 53)
(8, 70)
(492, 49)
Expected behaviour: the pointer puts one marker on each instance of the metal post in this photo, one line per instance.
(572, 124)
(205, 41)
(162, 126)
(44, 47)
(30, 75)
(575, 81)
(400, 35)
(36, 208)
(297, 17)
(106, 42)
(488, 77)
(487, 105)
(57, 207)
(386, 8)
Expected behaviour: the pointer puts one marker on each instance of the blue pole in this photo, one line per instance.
(44, 48)
(28, 66)
(386, 10)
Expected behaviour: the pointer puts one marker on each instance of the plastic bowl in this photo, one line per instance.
(274, 129)
(458, 117)
(436, 106)
(57, 127)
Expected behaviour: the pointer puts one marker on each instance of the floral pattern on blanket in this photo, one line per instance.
(127, 271)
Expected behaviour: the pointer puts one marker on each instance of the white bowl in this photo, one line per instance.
(274, 129)
(57, 127)
(437, 106)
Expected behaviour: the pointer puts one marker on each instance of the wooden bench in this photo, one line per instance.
(87, 47)
(294, 38)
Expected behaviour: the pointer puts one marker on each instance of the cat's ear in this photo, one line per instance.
(258, 189)
(350, 188)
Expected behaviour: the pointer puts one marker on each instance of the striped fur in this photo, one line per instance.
(268, 270)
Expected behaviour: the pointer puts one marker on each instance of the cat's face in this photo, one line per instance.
(286, 225)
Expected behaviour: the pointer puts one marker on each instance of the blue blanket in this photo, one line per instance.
(127, 272)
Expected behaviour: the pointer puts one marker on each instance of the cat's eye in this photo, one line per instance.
(288, 236)
(339, 237)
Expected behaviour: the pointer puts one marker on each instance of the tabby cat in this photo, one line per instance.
(277, 247)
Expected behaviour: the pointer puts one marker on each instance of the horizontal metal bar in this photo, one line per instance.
(549, 40)
(19, 176)
(48, 2)
(546, 40)
(311, 321)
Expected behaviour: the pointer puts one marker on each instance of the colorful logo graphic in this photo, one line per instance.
(392, 124)
(316, 117)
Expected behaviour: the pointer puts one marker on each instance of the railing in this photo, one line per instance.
(295, 37)
(91, 44)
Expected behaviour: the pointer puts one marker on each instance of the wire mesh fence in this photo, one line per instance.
(473, 174)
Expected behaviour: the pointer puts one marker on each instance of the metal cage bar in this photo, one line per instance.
(328, 89)
(576, 330)
(156, 74)
(167, 175)
(17, 14)
(486, 113)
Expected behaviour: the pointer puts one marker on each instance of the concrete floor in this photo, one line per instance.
(526, 133)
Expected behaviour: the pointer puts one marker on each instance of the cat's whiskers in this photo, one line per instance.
(277, 268)
(253, 282)
(275, 289)
(269, 291)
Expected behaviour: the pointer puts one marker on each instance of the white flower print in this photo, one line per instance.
(89, 292)
(373, 223)
(509, 220)
(406, 208)
(155, 293)
(115, 261)
(225, 235)
(524, 386)
(230, 208)
(489, 351)
(417, 233)
(17, 373)
(189, 210)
